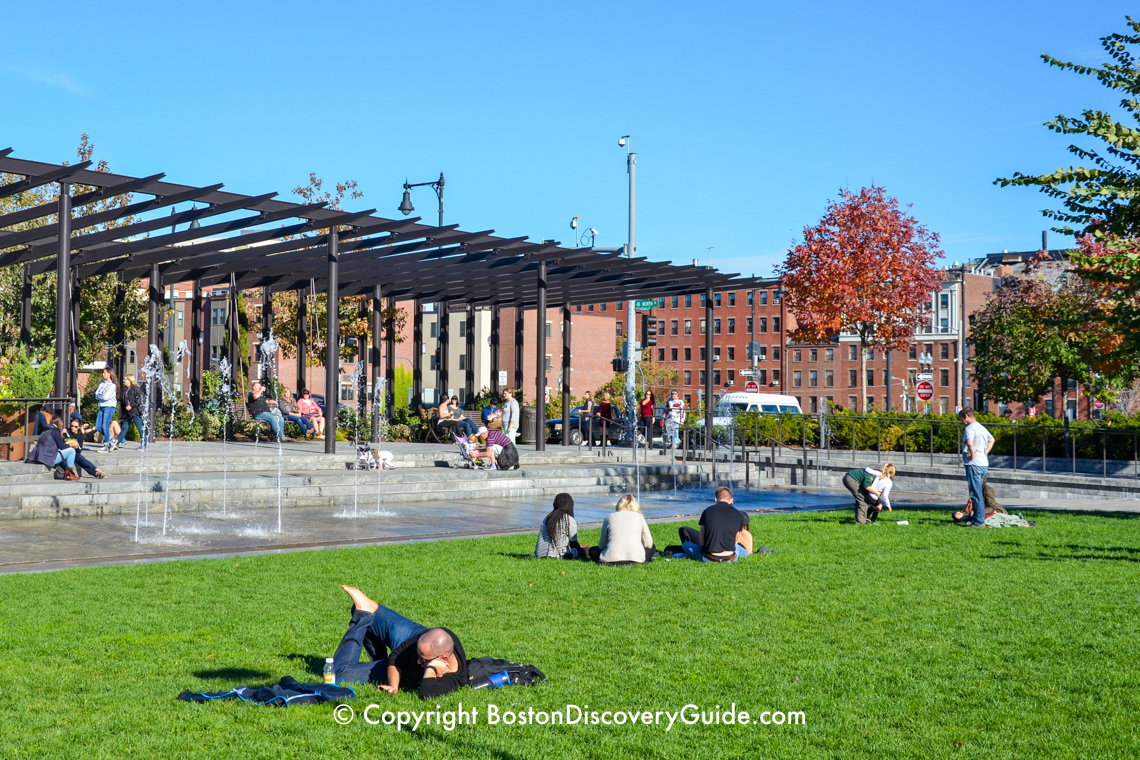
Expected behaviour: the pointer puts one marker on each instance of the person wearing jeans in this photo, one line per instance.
(403, 653)
(107, 394)
(132, 412)
(976, 445)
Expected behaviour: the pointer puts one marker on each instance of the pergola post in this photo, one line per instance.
(443, 329)
(708, 367)
(154, 338)
(196, 344)
(520, 333)
(418, 356)
(302, 338)
(62, 293)
(26, 310)
(362, 356)
(566, 373)
(540, 364)
(495, 389)
(237, 363)
(377, 375)
(267, 374)
(119, 354)
(469, 378)
(73, 351)
(390, 367)
(332, 345)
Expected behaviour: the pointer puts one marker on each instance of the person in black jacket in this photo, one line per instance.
(51, 450)
(132, 412)
(75, 438)
(404, 654)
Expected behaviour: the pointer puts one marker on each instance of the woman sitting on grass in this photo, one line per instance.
(558, 534)
(626, 539)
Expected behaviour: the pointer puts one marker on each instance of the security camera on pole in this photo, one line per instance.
(630, 319)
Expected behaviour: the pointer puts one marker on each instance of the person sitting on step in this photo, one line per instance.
(404, 655)
(51, 450)
(75, 438)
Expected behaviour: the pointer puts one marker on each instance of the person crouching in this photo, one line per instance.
(496, 446)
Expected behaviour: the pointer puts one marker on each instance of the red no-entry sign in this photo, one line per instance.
(925, 390)
(752, 387)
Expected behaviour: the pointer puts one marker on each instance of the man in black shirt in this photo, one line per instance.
(723, 536)
(259, 408)
(404, 654)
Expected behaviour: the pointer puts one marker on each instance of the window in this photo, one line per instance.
(433, 332)
(912, 352)
(912, 377)
(434, 363)
(732, 377)
(945, 351)
(813, 354)
(716, 327)
(590, 307)
(829, 378)
(673, 354)
(462, 395)
(661, 303)
(688, 354)
(870, 354)
(732, 353)
(853, 403)
(762, 376)
(346, 391)
(732, 299)
(702, 377)
(618, 325)
(673, 327)
(829, 354)
(814, 405)
(703, 327)
(578, 308)
(716, 377)
(603, 306)
(688, 377)
(966, 378)
(688, 400)
(749, 325)
(761, 353)
(716, 353)
(763, 297)
(221, 316)
(661, 355)
(944, 404)
(797, 355)
(776, 297)
(886, 381)
(870, 378)
(717, 302)
(751, 297)
(702, 306)
(181, 315)
(775, 324)
(462, 332)
(775, 353)
(661, 327)
(930, 349)
(944, 378)
(463, 362)
(813, 378)
(549, 364)
(852, 352)
(852, 378)
(870, 403)
(763, 324)
(688, 301)
(731, 326)
(463, 328)
(775, 377)
(944, 301)
(701, 354)
(688, 327)
(797, 379)
(214, 317)
(674, 304)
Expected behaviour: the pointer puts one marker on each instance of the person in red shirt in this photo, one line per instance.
(648, 403)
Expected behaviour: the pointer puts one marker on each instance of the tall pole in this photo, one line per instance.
(630, 316)
(73, 351)
(266, 331)
(540, 364)
(469, 350)
(26, 310)
(443, 346)
(377, 375)
(120, 352)
(390, 367)
(418, 355)
(332, 345)
(962, 338)
(196, 344)
(709, 366)
(63, 292)
(302, 338)
(154, 338)
(520, 333)
(566, 373)
(495, 325)
(363, 356)
(890, 380)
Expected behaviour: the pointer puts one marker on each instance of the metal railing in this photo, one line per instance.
(28, 430)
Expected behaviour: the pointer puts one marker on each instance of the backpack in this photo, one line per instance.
(484, 672)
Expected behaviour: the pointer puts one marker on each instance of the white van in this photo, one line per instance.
(731, 404)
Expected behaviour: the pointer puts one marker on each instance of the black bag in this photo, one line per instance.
(491, 672)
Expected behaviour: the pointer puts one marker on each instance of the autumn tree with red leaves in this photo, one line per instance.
(866, 269)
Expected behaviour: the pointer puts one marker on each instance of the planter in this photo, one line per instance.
(13, 425)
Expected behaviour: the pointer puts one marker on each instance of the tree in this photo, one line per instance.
(1099, 195)
(1111, 268)
(866, 269)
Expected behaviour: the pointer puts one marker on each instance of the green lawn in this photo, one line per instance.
(925, 640)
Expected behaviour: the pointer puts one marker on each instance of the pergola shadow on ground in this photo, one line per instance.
(255, 241)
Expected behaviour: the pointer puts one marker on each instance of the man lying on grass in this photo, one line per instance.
(404, 654)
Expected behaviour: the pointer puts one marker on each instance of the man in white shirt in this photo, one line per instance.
(976, 445)
(510, 415)
(674, 417)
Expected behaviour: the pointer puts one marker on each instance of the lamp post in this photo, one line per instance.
(406, 206)
(631, 317)
(926, 366)
(780, 293)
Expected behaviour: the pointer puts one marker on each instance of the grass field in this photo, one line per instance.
(925, 640)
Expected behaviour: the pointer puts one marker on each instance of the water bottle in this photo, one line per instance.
(494, 681)
(330, 672)
(904, 522)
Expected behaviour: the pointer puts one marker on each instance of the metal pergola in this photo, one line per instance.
(257, 242)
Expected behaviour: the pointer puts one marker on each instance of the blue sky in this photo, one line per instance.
(746, 117)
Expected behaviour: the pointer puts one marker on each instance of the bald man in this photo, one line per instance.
(404, 654)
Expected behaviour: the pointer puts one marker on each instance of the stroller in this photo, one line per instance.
(368, 458)
(466, 448)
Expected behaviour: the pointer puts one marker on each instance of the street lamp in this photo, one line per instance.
(780, 293)
(406, 206)
(580, 239)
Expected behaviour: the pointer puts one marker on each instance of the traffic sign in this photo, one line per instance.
(651, 303)
(925, 390)
(752, 387)
(928, 376)
(746, 373)
(1098, 404)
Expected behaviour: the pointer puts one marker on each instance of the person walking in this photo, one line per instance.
(648, 406)
(132, 412)
(674, 418)
(107, 396)
(976, 445)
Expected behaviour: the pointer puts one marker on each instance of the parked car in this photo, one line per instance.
(580, 427)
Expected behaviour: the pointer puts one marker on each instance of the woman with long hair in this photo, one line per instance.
(132, 412)
(107, 396)
(558, 534)
(312, 411)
